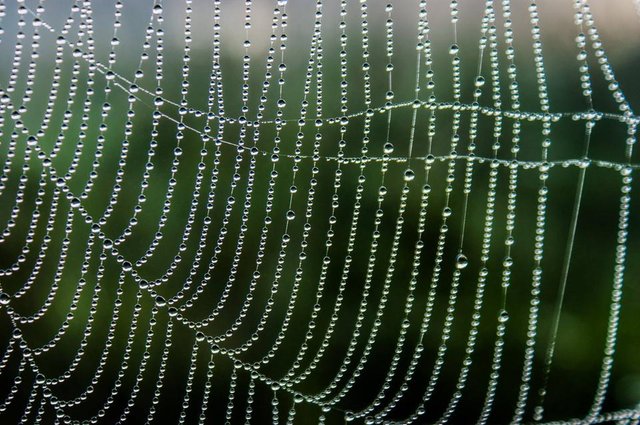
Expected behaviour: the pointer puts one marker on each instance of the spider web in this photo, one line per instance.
(311, 212)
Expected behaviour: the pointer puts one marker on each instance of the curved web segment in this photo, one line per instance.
(294, 212)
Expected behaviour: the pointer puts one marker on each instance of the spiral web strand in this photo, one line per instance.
(208, 219)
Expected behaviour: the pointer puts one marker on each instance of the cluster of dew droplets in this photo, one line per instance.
(460, 260)
(487, 38)
(536, 275)
(314, 61)
(280, 22)
(507, 263)
(389, 274)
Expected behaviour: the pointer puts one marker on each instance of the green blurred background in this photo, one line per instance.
(583, 326)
